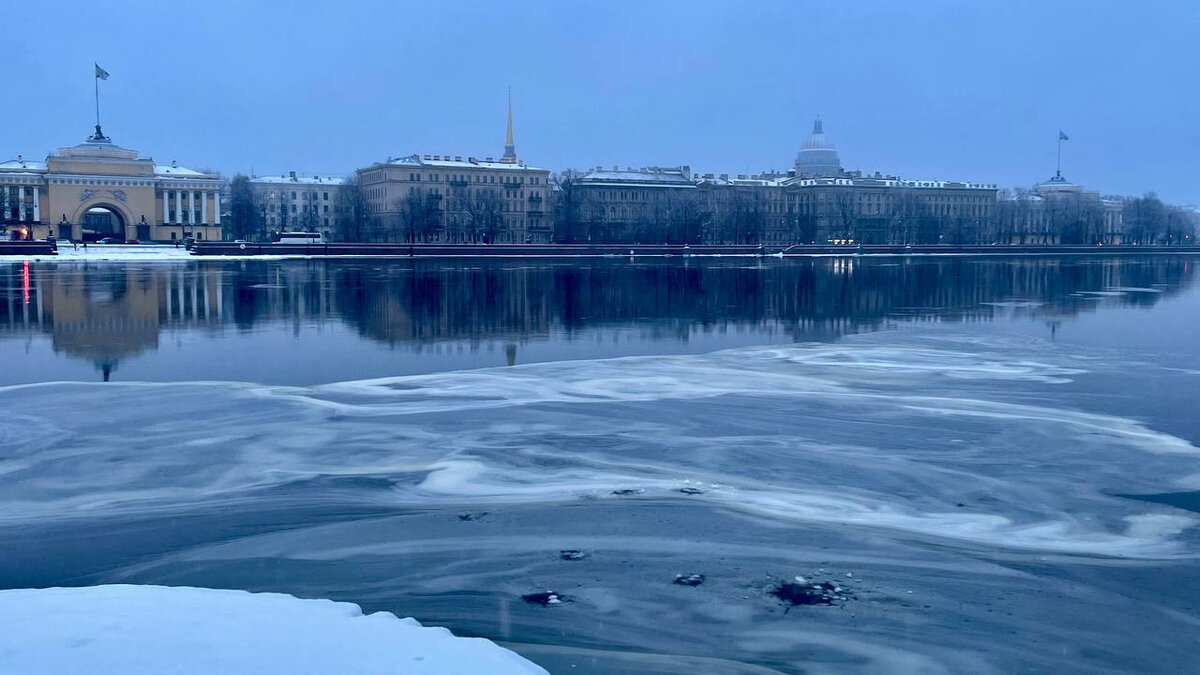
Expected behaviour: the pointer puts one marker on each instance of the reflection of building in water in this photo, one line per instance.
(106, 314)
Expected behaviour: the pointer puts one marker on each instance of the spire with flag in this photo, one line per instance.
(101, 74)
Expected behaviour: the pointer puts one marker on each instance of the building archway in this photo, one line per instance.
(101, 221)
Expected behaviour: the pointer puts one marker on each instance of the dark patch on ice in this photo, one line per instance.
(472, 516)
(690, 491)
(1188, 501)
(627, 491)
(688, 579)
(331, 482)
(571, 554)
(545, 599)
(794, 593)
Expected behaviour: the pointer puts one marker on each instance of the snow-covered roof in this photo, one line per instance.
(181, 171)
(23, 165)
(138, 630)
(723, 179)
(297, 179)
(651, 176)
(853, 179)
(457, 162)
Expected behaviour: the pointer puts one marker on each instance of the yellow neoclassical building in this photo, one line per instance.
(98, 189)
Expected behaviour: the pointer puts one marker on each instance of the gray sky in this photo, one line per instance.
(954, 90)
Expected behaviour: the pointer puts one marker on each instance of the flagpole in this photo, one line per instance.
(97, 79)
(1058, 161)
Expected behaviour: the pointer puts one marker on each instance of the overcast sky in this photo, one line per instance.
(954, 90)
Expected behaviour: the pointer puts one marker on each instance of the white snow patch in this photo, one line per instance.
(144, 630)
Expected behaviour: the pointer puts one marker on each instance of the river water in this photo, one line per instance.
(993, 459)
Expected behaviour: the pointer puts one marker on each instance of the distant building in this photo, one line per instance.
(631, 205)
(1058, 211)
(294, 202)
(98, 189)
(456, 199)
(815, 202)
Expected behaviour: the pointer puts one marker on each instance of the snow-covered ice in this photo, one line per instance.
(159, 630)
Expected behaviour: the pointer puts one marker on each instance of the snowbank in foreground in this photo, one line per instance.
(132, 253)
(139, 630)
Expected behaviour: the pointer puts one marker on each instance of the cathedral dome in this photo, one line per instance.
(817, 140)
(818, 156)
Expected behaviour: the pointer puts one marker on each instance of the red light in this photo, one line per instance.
(25, 280)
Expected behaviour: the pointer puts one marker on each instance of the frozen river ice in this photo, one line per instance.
(994, 461)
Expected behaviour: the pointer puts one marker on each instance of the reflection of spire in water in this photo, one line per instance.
(1053, 326)
(106, 368)
(510, 353)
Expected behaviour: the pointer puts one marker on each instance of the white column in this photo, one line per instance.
(203, 208)
(191, 207)
(166, 207)
(178, 207)
(7, 204)
(37, 208)
(21, 202)
(217, 207)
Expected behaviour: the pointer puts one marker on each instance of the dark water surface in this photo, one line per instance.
(993, 459)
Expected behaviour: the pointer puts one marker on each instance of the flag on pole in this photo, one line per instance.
(101, 73)
(1061, 135)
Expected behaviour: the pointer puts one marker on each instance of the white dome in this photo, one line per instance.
(817, 140)
(818, 156)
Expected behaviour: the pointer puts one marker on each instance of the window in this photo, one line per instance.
(293, 194)
(326, 195)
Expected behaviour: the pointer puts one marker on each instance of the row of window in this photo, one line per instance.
(304, 194)
(311, 209)
(466, 178)
(275, 221)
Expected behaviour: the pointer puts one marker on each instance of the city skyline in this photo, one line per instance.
(591, 93)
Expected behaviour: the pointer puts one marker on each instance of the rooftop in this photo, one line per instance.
(653, 175)
(294, 178)
(180, 171)
(456, 162)
(21, 165)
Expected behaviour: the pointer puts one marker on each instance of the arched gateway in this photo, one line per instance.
(102, 221)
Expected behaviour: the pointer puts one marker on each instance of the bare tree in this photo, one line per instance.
(352, 211)
(570, 199)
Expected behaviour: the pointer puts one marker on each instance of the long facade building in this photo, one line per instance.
(444, 198)
(814, 202)
(98, 189)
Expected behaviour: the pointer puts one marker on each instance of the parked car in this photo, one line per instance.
(110, 240)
